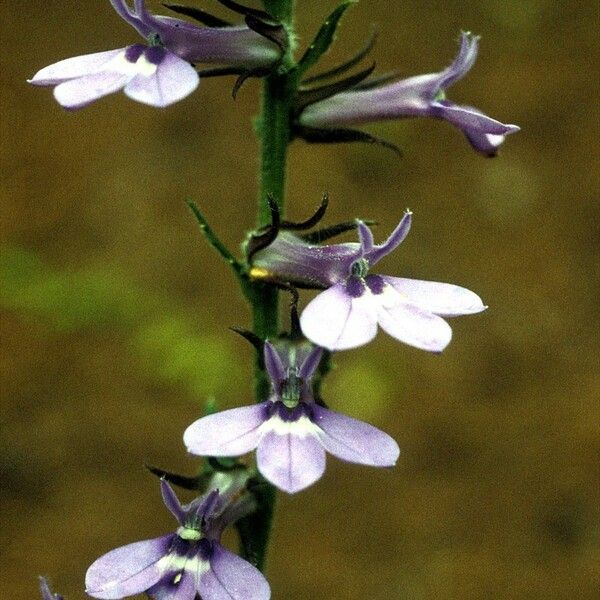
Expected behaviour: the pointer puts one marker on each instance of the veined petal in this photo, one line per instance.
(353, 440)
(462, 64)
(273, 364)
(337, 321)
(291, 460)
(77, 93)
(128, 570)
(172, 80)
(228, 433)
(72, 68)
(310, 364)
(470, 119)
(171, 501)
(442, 299)
(411, 324)
(394, 240)
(366, 238)
(232, 578)
(177, 586)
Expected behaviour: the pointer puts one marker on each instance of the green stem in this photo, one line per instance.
(274, 135)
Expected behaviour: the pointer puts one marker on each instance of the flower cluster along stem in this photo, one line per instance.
(274, 134)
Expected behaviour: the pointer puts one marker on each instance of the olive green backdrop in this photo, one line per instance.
(115, 312)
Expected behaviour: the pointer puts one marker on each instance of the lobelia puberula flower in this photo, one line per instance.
(160, 73)
(290, 430)
(189, 562)
(419, 96)
(45, 591)
(347, 314)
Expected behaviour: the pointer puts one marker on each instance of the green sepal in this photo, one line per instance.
(346, 65)
(323, 39)
(214, 241)
(315, 135)
(196, 483)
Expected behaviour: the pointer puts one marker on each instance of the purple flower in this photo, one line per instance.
(419, 96)
(290, 431)
(180, 565)
(158, 74)
(45, 591)
(347, 313)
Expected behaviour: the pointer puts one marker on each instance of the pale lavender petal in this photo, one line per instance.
(213, 502)
(228, 433)
(127, 570)
(470, 119)
(336, 321)
(46, 592)
(412, 325)
(173, 80)
(366, 238)
(444, 299)
(77, 93)
(485, 143)
(171, 501)
(273, 363)
(354, 440)
(72, 68)
(184, 589)
(394, 240)
(232, 578)
(310, 364)
(462, 64)
(290, 461)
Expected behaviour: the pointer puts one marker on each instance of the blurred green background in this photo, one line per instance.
(115, 313)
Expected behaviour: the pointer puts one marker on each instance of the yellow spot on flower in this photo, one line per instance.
(259, 273)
